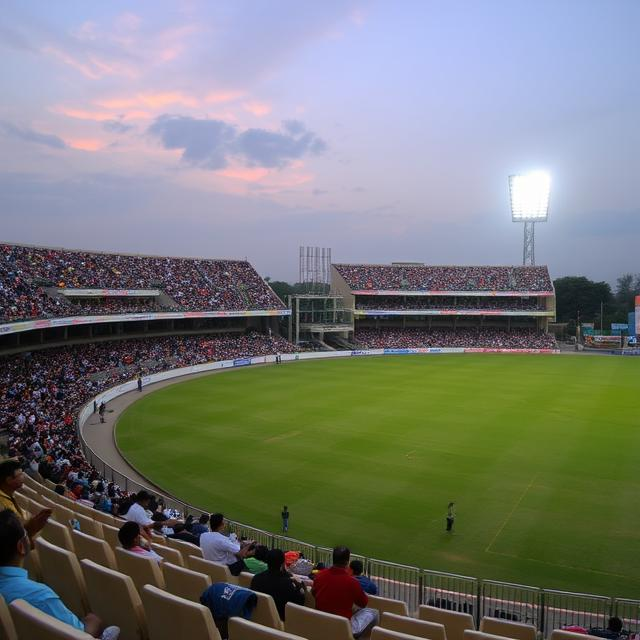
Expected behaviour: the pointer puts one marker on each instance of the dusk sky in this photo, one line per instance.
(384, 130)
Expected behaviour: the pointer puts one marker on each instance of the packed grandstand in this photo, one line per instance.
(46, 380)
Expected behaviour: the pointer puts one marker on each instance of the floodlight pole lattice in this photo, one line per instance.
(529, 246)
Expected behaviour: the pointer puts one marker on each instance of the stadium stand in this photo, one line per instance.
(31, 279)
(480, 338)
(454, 278)
(40, 395)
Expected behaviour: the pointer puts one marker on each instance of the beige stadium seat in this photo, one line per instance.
(114, 599)
(315, 625)
(185, 582)
(241, 629)
(142, 570)
(103, 518)
(7, 629)
(157, 538)
(266, 613)
(95, 549)
(32, 565)
(88, 525)
(31, 623)
(455, 622)
(61, 571)
(217, 571)
(379, 633)
(58, 534)
(309, 599)
(244, 579)
(22, 499)
(185, 548)
(29, 492)
(480, 635)
(170, 617)
(48, 484)
(169, 554)
(387, 605)
(412, 626)
(559, 634)
(110, 535)
(508, 629)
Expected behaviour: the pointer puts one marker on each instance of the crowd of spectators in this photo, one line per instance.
(41, 392)
(193, 284)
(484, 338)
(361, 277)
(114, 305)
(413, 303)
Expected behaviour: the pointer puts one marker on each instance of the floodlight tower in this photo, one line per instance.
(529, 204)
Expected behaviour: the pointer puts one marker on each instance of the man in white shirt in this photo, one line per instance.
(138, 513)
(219, 548)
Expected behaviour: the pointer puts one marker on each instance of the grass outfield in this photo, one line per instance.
(540, 454)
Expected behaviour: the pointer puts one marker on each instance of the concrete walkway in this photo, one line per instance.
(101, 438)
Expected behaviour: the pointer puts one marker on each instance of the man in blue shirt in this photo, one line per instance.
(15, 583)
(368, 585)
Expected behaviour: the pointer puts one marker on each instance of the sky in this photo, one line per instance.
(384, 130)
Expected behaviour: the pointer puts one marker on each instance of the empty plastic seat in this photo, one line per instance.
(217, 571)
(380, 633)
(185, 582)
(399, 607)
(33, 623)
(95, 549)
(114, 598)
(58, 534)
(22, 499)
(169, 554)
(559, 634)
(455, 622)
(244, 579)
(7, 628)
(170, 617)
(110, 535)
(241, 629)
(480, 635)
(143, 570)
(61, 571)
(266, 612)
(88, 525)
(412, 626)
(508, 629)
(32, 565)
(315, 625)
(185, 548)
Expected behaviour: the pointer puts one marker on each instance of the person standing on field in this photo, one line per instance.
(285, 519)
(451, 516)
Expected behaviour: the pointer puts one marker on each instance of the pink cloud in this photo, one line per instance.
(101, 116)
(254, 174)
(258, 109)
(86, 144)
(150, 100)
(93, 67)
(216, 97)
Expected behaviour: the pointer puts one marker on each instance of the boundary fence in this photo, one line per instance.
(546, 609)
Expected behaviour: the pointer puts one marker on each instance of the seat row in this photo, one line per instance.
(82, 568)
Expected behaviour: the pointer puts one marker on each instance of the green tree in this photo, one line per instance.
(577, 295)
(627, 288)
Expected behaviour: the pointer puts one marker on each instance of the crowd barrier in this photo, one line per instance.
(546, 609)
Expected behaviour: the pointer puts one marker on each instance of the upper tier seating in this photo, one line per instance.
(361, 277)
(193, 284)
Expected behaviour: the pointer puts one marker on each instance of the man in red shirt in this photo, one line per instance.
(337, 591)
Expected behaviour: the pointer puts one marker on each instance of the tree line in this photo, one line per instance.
(578, 297)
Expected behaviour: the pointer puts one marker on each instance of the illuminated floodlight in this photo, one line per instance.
(530, 197)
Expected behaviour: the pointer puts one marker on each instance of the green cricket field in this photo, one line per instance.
(541, 455)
